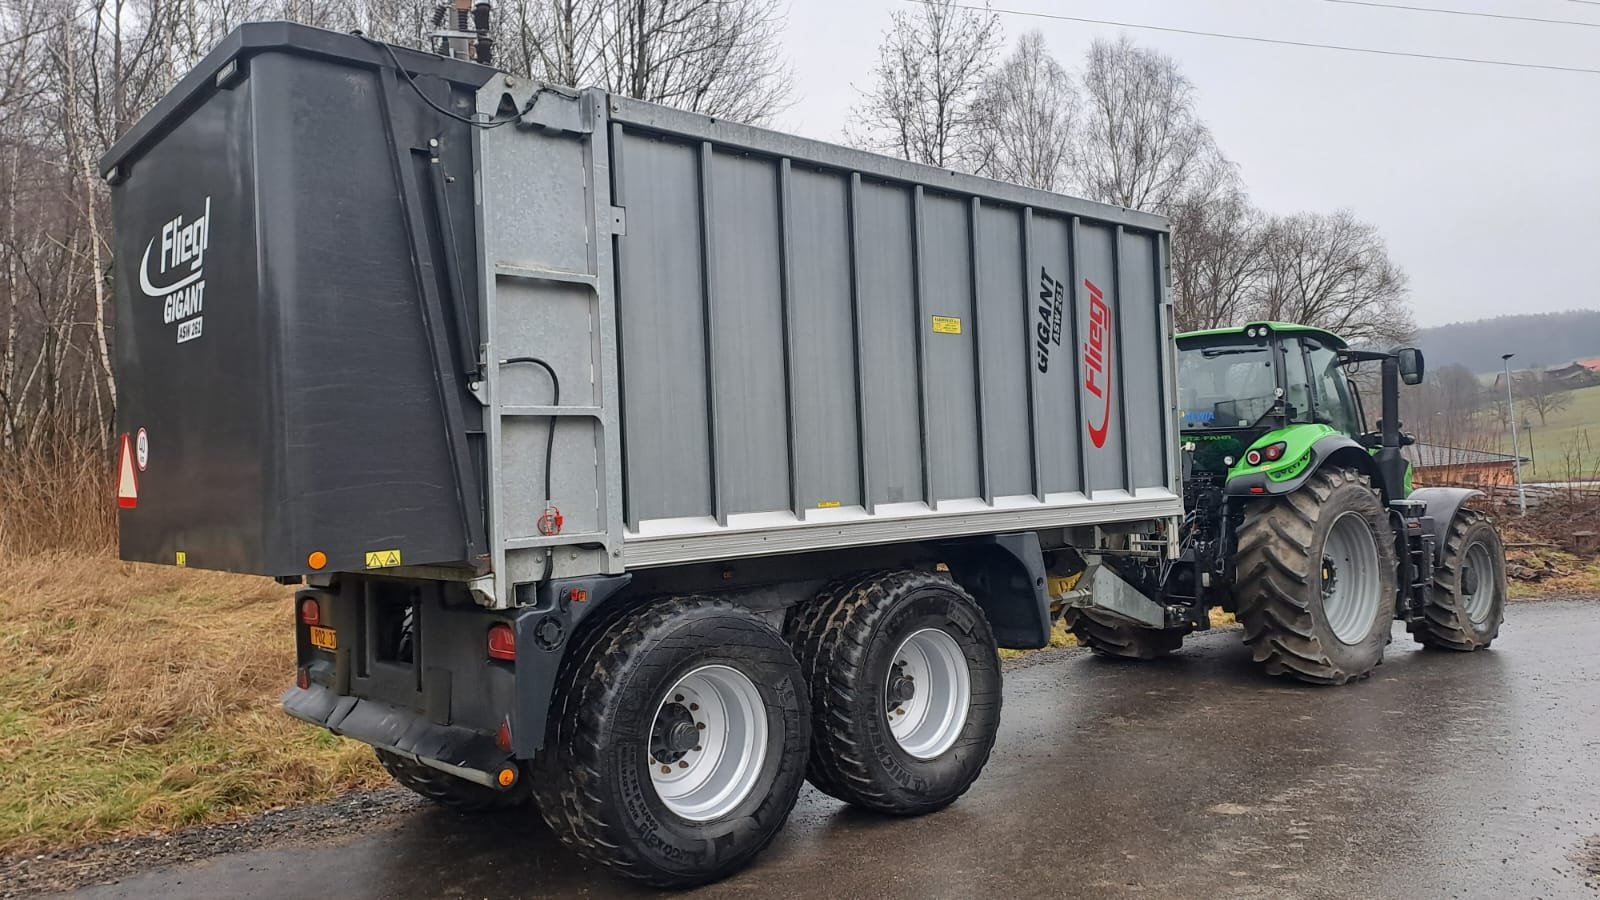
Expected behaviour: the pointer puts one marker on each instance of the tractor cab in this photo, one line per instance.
(1238, 385)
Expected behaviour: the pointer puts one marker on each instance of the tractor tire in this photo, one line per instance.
(905, 690)
(1467, 603)
(447, 790)
(622, 780)
(1112, 638)
(1316, 579)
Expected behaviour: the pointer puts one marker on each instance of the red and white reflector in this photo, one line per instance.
(127, 480)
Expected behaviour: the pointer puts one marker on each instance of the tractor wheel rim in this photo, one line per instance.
(1350, 584)
(1479, 601)
(710, 778)
(927, 691)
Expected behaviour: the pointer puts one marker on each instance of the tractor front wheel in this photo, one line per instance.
(1112, 638)
(1316, 583)
(1468, 599)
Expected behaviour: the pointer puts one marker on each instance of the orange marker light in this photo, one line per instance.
(316, 560)
(508, 777)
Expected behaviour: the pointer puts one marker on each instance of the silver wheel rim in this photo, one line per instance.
(1351, 588)
(1480, 574)
(927, 693)
(720, 709)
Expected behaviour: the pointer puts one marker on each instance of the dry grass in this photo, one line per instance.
(139, 698)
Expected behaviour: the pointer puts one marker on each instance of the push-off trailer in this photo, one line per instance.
(643, 465)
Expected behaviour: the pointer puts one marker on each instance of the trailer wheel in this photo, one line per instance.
(905, 690)
(1114, 639)
(678, 742)
(449, 791)
(1316, 583)
(1467, 603)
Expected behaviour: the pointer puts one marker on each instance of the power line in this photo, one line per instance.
(1463, 12)
(1283, 42)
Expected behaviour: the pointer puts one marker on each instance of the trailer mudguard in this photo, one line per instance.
(1006, 574)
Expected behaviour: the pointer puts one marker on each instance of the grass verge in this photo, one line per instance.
(141, 698)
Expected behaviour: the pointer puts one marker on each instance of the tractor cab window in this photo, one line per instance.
(1225, 384)
(1325, 389)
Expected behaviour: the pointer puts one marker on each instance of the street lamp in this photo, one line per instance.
(1516, 454)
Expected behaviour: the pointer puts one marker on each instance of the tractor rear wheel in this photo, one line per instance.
(1316, 582)
(1113, 638)
(1468, 599)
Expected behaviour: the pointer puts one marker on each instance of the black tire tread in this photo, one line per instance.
(1113, 639)
(572, 760)
(831, 636)
(451, 792)
(1444, 624)
(1274, 578)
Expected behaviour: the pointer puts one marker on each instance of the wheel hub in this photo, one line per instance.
(902, 687)
(1330, 576)
(674, 734)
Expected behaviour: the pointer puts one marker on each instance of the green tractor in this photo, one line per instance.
(1299, 520)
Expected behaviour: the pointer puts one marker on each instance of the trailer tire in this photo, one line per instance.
(595, 782)
(1111, 638)
(863, 639)
(1467, 603)
(1299, 620)
(447, 790)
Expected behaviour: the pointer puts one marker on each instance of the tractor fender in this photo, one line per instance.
(1332, 449)
(1442, 504)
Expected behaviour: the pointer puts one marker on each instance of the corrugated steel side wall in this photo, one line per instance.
(779, 352)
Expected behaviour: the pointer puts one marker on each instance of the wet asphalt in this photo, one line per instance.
(1443, 775)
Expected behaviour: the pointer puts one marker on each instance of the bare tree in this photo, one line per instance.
(1027, 112)
(1542, 391)
(1143, 144)
(924, 101)
(1334, 272)
(1217, 263)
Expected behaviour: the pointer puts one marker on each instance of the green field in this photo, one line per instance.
(1568, 447)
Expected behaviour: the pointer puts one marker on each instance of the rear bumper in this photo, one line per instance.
(462, 752)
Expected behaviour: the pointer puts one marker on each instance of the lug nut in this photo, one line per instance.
(666, 770)
(694, 707)
(683, 765)
(678, 698)
(697, 749)
(700, 725)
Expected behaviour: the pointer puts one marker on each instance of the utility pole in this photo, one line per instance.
(1516, 454)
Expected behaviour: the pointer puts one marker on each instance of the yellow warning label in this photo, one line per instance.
(827, 504)
(947, 324)
(183, 558)
(382, 559)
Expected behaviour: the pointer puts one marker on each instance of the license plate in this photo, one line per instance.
(326, 638)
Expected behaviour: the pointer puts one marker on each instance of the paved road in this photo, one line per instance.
(1442, 776)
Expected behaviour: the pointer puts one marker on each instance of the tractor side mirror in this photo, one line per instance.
(1410, 360)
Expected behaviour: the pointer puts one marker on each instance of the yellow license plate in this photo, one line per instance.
(326, 638)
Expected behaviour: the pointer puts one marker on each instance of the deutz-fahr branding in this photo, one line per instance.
(173, 271)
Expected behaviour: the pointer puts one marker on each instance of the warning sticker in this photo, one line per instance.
(127, 481)
(182, 558)
(383, 559)
(947, 324)
(827, 504)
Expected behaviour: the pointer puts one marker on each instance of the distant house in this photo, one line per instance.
(1581, 373)
(1435, 464)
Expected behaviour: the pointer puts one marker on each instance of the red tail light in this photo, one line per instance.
(310, 612)
(1274, 452)
(502, 642)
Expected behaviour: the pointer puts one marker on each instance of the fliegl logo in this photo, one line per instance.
(173, 271)
(1097, 364)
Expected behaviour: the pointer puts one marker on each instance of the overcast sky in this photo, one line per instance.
(1485, 180)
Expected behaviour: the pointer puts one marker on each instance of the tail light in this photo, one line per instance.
(310, 612)
(502, 642)
(1269, 453)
